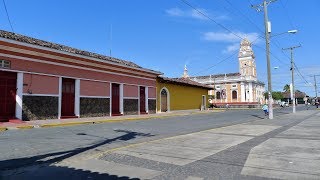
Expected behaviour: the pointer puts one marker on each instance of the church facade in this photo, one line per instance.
(238, 88)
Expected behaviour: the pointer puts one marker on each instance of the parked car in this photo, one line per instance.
(284, 104)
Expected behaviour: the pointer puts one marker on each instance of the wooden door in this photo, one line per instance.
(68, 96)
(8, 84)
(115, 99)
(142, 100)
(164, 102)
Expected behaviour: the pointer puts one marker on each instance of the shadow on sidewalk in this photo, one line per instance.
(47, 159)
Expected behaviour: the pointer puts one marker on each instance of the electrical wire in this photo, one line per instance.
(208, 17)
(221, 61)
(5, 7)
(225, 28)
(296, 67)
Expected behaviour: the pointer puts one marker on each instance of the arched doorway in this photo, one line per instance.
(164, 100)
(218, 95)
(234, 94)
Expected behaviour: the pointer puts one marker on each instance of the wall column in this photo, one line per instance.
(121, 98)
(147, 98)
(60, 97)
(250, 92)
(77, 98)
(243, 91)
(110, 103)
(19, 95)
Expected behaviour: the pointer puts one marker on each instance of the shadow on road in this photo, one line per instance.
(47, 159)
(257, 116)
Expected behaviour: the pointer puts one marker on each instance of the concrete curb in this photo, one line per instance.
(106, 121)
(61, 124)
(25, 127)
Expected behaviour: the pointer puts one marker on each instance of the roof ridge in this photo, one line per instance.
(65, 48)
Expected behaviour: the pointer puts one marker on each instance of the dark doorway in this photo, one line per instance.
(142, 100)
(115, 100)
(68, 96)
(164, 102)
(8, 84)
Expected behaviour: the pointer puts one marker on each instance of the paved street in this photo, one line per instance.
(233, 144)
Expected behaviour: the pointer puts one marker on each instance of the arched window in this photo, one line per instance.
(234, 94)
(218, 95)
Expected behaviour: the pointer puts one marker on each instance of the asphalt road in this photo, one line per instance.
(20, 148)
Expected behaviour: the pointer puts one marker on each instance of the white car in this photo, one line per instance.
(284, 104)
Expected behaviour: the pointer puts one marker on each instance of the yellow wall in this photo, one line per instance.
(182, 97)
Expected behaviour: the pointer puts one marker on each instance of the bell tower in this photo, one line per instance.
(247, 65)
(185, 72)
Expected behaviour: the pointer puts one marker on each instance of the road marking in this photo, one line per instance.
(193, 178)
(113, 169)
(184, 149)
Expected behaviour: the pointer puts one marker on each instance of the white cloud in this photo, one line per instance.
(195, 14)
(230, 37)
(233, 38)
(175, 12)
(232, 48)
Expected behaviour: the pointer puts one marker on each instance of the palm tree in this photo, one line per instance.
(286, 88)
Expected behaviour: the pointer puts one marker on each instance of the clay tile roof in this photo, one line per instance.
(298, 94)
(217, 75)
(38, 42)
(183, 81)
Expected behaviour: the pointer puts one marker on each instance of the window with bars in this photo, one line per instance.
(5, 64)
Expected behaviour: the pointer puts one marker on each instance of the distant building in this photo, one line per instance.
(241, 87)
(299, 97)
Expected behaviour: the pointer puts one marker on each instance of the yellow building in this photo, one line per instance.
(180, 94)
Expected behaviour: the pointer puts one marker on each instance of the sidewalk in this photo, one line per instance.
(285, 147)
(94, 120)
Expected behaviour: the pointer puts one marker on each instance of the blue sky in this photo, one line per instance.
(165, 35)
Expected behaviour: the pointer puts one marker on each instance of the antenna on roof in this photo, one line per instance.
(110, 40)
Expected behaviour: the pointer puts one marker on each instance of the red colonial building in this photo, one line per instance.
(43, 80)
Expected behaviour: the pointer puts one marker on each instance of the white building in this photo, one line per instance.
(242, 87)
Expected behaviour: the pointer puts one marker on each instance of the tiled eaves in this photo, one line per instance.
(63, 48)
(182, 81)
(217, 76)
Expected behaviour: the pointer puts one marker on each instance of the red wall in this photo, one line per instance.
(93, 88)
(152, 92)
(130, 91)
(38, 84)
(73, 72)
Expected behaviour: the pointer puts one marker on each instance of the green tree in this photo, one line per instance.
(286, 88)
(277, 95)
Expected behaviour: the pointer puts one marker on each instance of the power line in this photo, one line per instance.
(300, 73)
(211, 19)
(287, 14)
(221, 61)
(5, 7)
(245, 16)
(227, 29)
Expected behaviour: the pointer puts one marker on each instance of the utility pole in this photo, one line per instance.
(315, 87)
(267, 36)
(292, 77)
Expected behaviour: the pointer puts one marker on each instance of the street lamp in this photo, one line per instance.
(268, 37)
(267, 25)
(294, 31)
